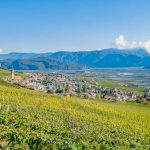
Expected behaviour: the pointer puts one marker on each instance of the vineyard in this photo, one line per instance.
(32, 120)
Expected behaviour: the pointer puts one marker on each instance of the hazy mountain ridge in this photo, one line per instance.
(106, 58)
(40, 63)
(95, 59)
(17, 55)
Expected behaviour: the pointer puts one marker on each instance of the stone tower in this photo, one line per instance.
(12, 73)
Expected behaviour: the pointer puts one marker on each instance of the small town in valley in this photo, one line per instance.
(73, 85)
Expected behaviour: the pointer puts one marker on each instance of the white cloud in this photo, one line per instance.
(121, 43)
(1, 50)
(99, 48)
(146, 45)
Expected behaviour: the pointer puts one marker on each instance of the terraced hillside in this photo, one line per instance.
(38, 121)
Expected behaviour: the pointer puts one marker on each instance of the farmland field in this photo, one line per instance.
(136, 76)
(34, 120)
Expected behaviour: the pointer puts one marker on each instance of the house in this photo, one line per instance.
(93, 95)
(88, 95)
(85, 95)
(148, 98)
(18, 78)
(123, 97)
(67, 94)
(109, 97)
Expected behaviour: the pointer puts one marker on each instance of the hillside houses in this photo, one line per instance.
(70, 85)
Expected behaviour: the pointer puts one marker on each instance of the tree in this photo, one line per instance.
(50, 91)
(67, 88)
(84, 88)
(79, 90)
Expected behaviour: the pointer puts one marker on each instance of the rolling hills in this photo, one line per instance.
(34, 120)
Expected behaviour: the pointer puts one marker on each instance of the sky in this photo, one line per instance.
(73, 25)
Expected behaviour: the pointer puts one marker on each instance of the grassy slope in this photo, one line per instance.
(29, 119)
(4, 73)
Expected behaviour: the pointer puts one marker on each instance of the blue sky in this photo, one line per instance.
(53, 25)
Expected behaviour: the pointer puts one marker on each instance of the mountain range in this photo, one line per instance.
(39, 63)
(111, 58)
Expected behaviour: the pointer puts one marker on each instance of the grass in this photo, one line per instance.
(5, 73)
(36, 121)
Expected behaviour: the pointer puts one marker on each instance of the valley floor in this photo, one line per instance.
(34, 120)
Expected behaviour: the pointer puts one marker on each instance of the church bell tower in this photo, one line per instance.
(12, 73)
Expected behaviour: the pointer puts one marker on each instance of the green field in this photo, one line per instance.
(4, 73)
(38, 121)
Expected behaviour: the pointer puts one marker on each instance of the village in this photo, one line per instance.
(71, 85)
